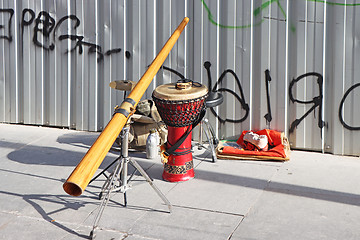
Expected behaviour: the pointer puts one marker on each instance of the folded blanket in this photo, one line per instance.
(278, 148)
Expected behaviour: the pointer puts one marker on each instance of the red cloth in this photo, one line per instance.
(276, 148)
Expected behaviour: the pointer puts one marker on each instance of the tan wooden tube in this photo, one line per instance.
(84, 171)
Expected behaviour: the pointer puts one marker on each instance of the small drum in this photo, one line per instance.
(179, 106)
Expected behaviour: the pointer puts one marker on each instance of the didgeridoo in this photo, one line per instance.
(84, 171)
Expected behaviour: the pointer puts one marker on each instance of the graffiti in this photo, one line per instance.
(335, 3)
(45, 30)
(268, 115)
(256, 13)
(44, 24)
(240, 99)
(45, 33)
(342, 105)
(24, 20)
(211, 19)
(316, 101)
(264, 6)
(173, 71)
(7, 34)
(93, 48)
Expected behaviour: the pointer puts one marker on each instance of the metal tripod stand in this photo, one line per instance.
(118, 179)
(211, 137)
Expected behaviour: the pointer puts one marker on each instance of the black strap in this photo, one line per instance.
(174, 147)
(121, 111)
(130, 100)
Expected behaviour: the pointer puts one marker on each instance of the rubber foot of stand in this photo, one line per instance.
(92, 234)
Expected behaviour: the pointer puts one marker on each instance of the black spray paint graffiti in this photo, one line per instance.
(342, 105)
(45, 30)
(268, 115)
(240, 99)
(7, 34)
(316, 101)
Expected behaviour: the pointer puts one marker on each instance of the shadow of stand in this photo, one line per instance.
(30, 198)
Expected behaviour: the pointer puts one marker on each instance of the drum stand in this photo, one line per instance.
(211, 137)
(118, 179)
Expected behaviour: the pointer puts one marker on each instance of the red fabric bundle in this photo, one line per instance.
(275, 141)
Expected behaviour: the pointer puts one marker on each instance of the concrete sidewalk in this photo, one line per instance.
(313, 196)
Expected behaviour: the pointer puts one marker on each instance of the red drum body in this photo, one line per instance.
(180, 165)
(179, 108)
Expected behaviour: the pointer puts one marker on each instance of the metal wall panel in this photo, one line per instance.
(58, 58)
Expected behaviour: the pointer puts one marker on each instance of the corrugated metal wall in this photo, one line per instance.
(58, 57)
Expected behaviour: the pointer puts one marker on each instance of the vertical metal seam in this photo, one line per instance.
(305, 62)
(251, 63)
(202, 40)
(154, 41)
(217, 57)
(125, 74)
(286, 94)
(29, 94)
(96, 66)
(55, 84)
(269, 40)
(269, 51)
(69, 74)
(16, 66)
(234, 64)
(343, 77)
(324, 78)
(170, 30)
(82, 77)
(185, 41)
(109, 27)
(140, 46)
(42, 78)
(3, 74)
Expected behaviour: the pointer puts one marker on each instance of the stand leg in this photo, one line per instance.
(212, 139)
(210, 135)
(148, 179)
(124, 179)
(109, 187)
(120, 174)
(103, 171)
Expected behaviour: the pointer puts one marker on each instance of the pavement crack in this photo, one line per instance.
(266, 187)
(208, 210)
(237, 226)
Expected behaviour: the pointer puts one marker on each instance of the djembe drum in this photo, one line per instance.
(181, 106)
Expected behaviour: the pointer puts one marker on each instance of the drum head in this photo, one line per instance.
(173, 92)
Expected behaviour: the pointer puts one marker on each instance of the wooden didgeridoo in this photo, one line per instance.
(84, 171)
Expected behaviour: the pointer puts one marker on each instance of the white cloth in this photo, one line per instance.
(260, 141)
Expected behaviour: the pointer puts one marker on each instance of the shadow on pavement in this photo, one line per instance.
(65, 201)
(58, 157)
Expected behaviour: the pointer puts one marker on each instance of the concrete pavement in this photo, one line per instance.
(312, 196)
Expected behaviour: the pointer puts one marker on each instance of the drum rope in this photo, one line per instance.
(176, 116)
(174, 147)
(181, 151)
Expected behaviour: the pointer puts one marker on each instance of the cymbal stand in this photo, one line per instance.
(118, 179)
